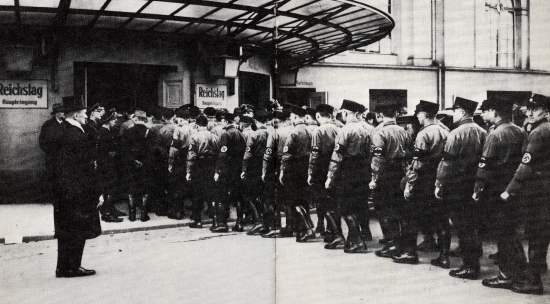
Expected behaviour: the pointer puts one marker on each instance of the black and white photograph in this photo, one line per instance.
(274, 151)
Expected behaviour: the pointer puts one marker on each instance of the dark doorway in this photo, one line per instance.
(517, 97)
(296, 96)
(387, 97)
(254, 89)
(122, 86)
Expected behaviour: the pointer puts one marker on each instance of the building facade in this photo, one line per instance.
(440, 49)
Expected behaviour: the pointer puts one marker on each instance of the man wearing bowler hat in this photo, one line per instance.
(455, 181)
(532, 180)
(499, 160)
(419, 186)
(76, 217)
(348, 174)
(49, 140)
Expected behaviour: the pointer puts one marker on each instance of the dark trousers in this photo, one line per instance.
(506, 220)
(69, 253)
(465, 217)
(202, 184)
(389, 200)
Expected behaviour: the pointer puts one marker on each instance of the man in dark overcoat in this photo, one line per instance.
(49, 140)
(76, 216)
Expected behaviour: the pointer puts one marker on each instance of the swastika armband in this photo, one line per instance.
(223, 149)
(268, 151)
(247, 149)
(338, 148)
(377, 151)
(527, 158)
(285, 149)
(315, 149)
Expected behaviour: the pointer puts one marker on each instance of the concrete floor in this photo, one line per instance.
(195, 266)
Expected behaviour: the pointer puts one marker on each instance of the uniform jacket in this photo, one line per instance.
(500, 158)
(276, 141)
(254, 153)
(428, 150)
(230, 156)
(349, 160)
(322, 146)
(532, 176)
(296, 151)
(135, 145)
(75, 215)
(391, 146)
(179, 145)
(203, 146)
(457, 169)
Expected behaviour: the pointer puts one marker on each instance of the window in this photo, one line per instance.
(500, 16)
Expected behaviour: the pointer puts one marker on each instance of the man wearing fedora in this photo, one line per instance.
(76, 216)
(49, 140)
(455, 181)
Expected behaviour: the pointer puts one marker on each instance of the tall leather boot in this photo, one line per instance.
(258, 223)
(538, 250)
(221, 218)
(336, 239)
(444, 242)
(239, 223)
(355, 243)
(307, 223)
(131, 208)
(144, 217)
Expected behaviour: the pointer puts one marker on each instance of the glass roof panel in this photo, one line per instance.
(130, 6)
(39, 3)
(7, 17)
(225, 14)
(197, 27)
(6, 2)
(110, 21)
(170, 26)
(37, 18)
(254, 3)
(79, 20)
(195, 11)
(316, 7)
(281, 20)
(87, 4)
(248, 32)
(161, 8)
(141, 24)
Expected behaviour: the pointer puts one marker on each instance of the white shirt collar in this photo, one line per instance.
(74, 123)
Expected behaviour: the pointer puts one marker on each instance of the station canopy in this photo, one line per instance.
(303, 31)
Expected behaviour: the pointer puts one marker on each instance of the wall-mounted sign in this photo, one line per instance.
(211, 95)
(26, 94)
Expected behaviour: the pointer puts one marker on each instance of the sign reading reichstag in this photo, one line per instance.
(28, 94)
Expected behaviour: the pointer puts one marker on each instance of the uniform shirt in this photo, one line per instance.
(218, 129)
(297, 149)
(428, 150)
(230, 156)
(461, 156)
(276, 141)
(500, 158)
(391, 145)
(322, 146)
(135, 143)
(181, 139)
(255, 150)
(352, 143)
(535, 163)
(203, 145)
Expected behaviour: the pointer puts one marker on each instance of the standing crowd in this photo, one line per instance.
(481, 180)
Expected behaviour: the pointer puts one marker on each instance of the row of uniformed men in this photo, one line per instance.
(292, 162)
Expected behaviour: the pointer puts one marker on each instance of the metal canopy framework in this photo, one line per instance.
(302, 31)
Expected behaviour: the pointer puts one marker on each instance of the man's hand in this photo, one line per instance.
(407, 192)
(281, 179)
(138, 163)
(437, 193)
(263, 177)
(372, 185)
(309, 180)
(328, 183)
(243, 175)
(188, 177)
(100, 201)
(216, 177)
(170, 168)
(475, 196)
(505, 196)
